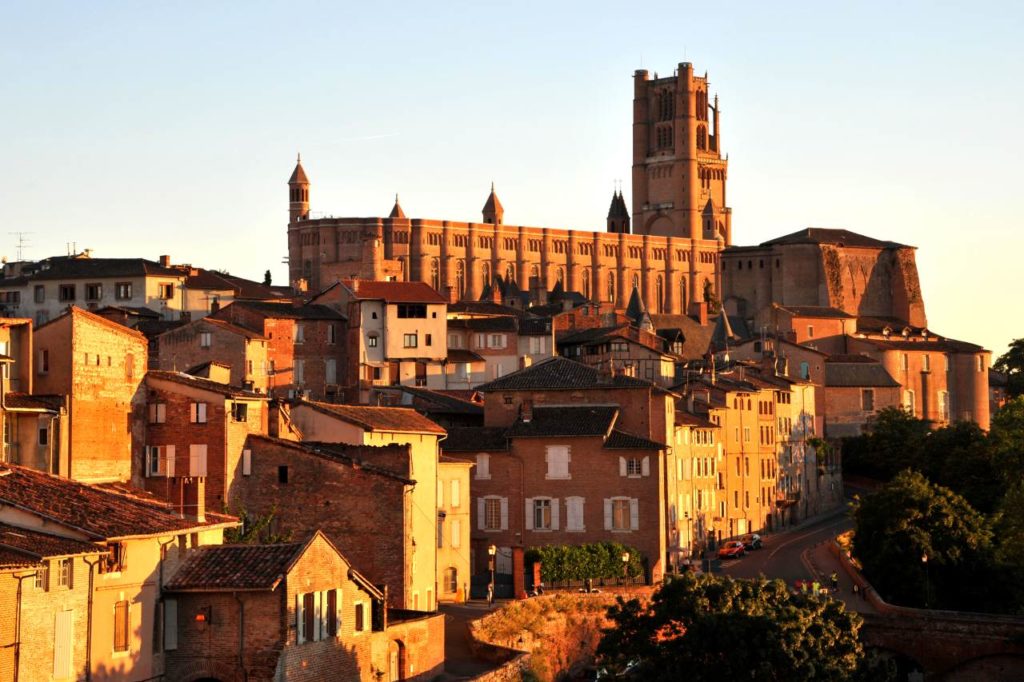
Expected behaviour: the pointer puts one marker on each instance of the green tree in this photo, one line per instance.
(706, 627)
(1012, 364)
(910, 518)
(894, 442)
(266, 278)
(959, 456)
(1006, 440)
(256, 529)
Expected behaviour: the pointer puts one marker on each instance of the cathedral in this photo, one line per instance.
(669, 251)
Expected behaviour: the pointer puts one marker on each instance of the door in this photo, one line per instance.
(396, 661)
(63, 634)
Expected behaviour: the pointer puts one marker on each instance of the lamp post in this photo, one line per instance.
(491, 552)
(927, 581)
(625, 566)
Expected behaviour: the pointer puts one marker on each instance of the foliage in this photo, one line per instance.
(717, 628)
(1006, 440)
(910, 518)
(891, 444)
(1011, 363)
(266, 278)
(579, 562)
(256, 529)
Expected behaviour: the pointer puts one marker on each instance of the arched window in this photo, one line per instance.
(636, 281)
(451, 579)
(534, 272)
(709, 292)
(435, 275)
(485, 272)
(560, 276)
(659, 292)
(702, 138)
(460, 278)
(586, 283)
(611, 287)
(510, 272)
(683, 291)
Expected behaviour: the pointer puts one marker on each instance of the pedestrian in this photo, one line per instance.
(490, 594)
(856, 590)
(835, 581)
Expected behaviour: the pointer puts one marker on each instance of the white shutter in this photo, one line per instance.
(645, 466)
(197, 459)
(300, 622)
(529, 513)
(337, 611)
(193, 412)
(169, 460)
(63, 634)
(554, 514)
(504, 513)
(456, 526)
(634, 514)
(456, 499)
(170, 624)
(320, 620)
(151, 454)
(483, 468)
(481, 509)
(202, 412)
(246, 462)
(440, 493)
(607, 514)
(679, 468)
(622, 466)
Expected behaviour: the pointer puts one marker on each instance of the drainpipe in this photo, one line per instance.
(241, 636)
(17, 623)
(88, 619)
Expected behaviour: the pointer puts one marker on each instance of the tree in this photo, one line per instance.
(893, 443)
(266, 278)
(910, 518)
(1011, 363)
(256, 529)
(959, 457)
(1006, 440)
(717, 628)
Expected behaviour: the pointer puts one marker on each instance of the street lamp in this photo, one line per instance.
(927, 581)
(491, 552)
(625, 566)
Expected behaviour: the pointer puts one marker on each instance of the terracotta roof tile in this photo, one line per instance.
(234, 567)
(475, 439)
(343, 453)
(398, 419)
(282, 310)
(37, 545)
(204, 384)
(566, 420)
(394, 292)
(825, 235)
(816, 311)
(619, 440)
(560, 373)
(24, 401)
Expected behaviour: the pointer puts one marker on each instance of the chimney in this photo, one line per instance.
(453, 295)
(355, 285)
(193, 498)
(538, 294)
(702, 312)
(526, 410)
(165, 261)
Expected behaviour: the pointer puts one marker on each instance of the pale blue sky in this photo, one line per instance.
(138, 129)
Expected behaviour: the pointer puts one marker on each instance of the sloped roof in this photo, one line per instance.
(396, 419)
(204, 384)
(230, 327)
(558, 373)
(396, 210)
(502, 323)
(340, 453)
(445, 402)
(825, 235)
(283, 310)
(931, 344)
(76, 314)
(99, 513)
(493, 204)
(94, 268)
(851, 374)
(235, 567)
(619, 440)
(816, 311)
(484, 308)
(36, 545)
(696, 337)
(393, 292)
(24, 401)
(566, 420)
(475, 439)
(299, 174)
(618, 209)
(690, 419)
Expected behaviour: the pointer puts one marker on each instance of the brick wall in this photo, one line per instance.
(180, 350)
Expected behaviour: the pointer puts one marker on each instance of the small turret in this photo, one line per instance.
(396, 211)
(618, 214)
(493, 211)
(298, 193)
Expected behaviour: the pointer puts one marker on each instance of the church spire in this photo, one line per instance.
(396, 211)
(298, 193)
(618, 214)
(493, 210)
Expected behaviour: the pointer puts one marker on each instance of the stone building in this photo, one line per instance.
(669, 251)
(242, 350)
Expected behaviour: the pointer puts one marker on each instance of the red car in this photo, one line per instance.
(733, 549)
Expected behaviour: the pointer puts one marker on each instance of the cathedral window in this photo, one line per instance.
(660, 294)
(435, 275)
(611, 287)
(460, 278)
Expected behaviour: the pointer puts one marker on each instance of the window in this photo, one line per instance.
(205, 339)
(44, 432)
(456, 533)
(867, 400)
(333, 629)
(360, 625)
(371, 341)
(93, 292)
(621, 514)
(943, 401)
(541, 514)
(197, 413)
(428, 339)
(300, 333)
(451, 579)
(483, 467)
(66, 292)
(412, 310)
(981, 363)
(239, 412)
(39, 293)
(454, 341)
(926, 363)
(810, 329)
(496, 341)
(909, 402)
(310, 617)
(121, 625)
(557, 457)
(633, 466)
(805, 370)
(538, 344)
(157, 413)
(331, 339)
(300, 371)
(410, 341)
(129, 366)
(43, 576)
(166, 291)
(330, 371)
(65, 572)
(746, 434)
(197, 459)
(906, 362)
(456, 498)
(492, 513)
(282, 474)
(43, 366)
(247, 462)
(123, 291)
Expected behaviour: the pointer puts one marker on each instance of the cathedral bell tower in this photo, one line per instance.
(298, 194)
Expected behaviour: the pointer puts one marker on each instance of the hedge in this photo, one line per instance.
(579, 562)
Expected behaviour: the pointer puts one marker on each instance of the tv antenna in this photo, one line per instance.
(23, 242)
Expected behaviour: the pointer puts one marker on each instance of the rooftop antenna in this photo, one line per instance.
(23, 243)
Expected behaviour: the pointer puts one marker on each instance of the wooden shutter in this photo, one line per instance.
(456, 496)
(607, 514)
(481, 511)
(440, 493)
(170, 624)
(337, 612)
(622, 466)
(504, 513)
(246, 462)
(529, 513)
(169, 460)
(63, 647)
(197, 460)
(300, 621)
(318, 616)
(645, 466)
(152, 454)
(554, 514)
(634, 514)
(193, 412)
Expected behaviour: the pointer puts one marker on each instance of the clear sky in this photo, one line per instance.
(143, 128)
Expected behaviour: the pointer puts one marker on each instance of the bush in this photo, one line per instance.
(561, 563)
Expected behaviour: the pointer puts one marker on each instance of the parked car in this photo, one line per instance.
(733, 549)
(752, 541)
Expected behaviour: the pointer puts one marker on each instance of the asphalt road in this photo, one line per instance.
(783, 554)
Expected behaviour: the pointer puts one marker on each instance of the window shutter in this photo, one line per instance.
(607, 514)
(193, 412)
(440, 493)
(337, 611)
(481, 510)
(504, 513)
(456, 496)
(197, 460)
(170, 624)
(679, 468)
(300, 621)
(169, 460)
(321, 615)
(63, 637)
(634, 514)
(456, 527)
(152, 413)
(151, 454)
(554, 514)
(529, 513)
(645, 466)
(246, 462)
(622, 466)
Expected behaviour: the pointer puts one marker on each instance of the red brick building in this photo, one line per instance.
(296, 611)
(243, 350)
